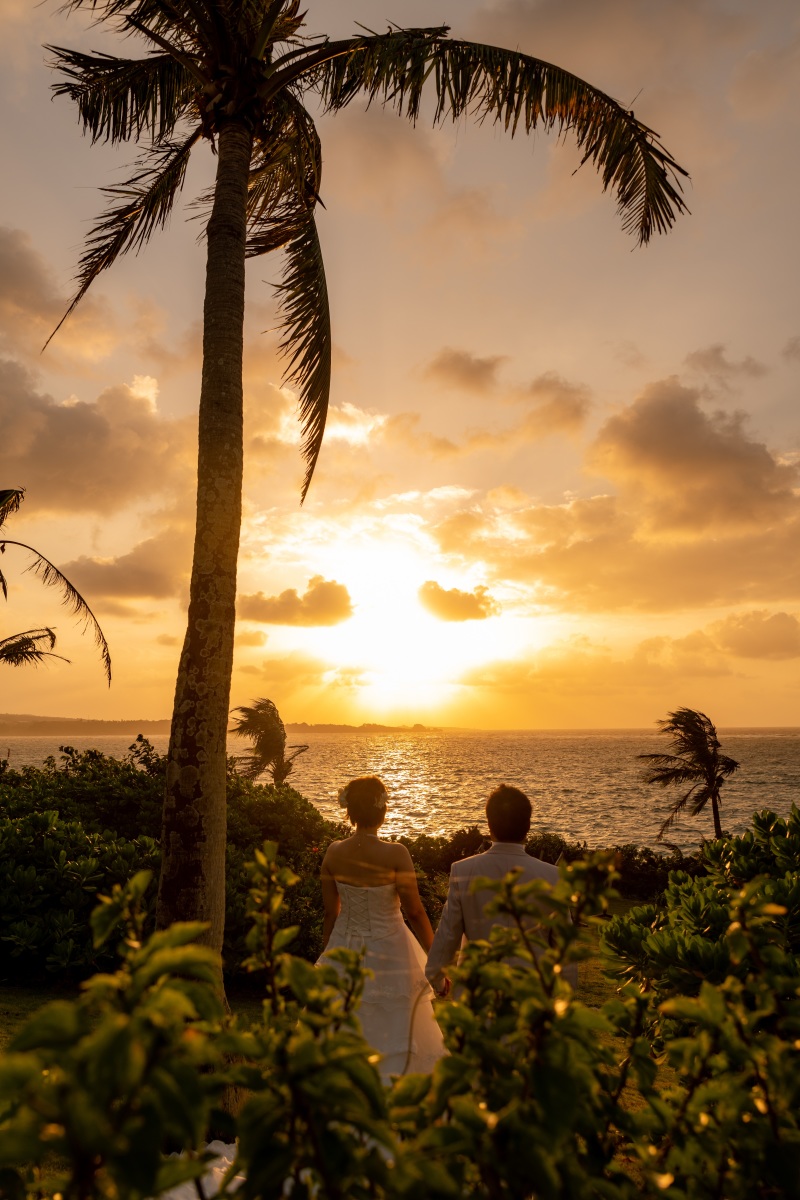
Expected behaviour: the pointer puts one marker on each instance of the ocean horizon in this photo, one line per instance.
(585, 784)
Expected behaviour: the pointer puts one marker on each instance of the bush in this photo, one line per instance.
(50, 872)
(74, 828)
(109, 809)
(539, 1097)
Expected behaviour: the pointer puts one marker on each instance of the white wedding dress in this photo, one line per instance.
(396, 1014)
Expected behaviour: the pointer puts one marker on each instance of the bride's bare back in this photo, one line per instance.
(365, 860)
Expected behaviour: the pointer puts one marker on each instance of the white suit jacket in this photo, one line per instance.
(463, 916)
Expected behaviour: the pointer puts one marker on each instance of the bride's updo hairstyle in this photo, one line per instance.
(365, 800)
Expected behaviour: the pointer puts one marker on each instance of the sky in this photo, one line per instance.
(560, 483)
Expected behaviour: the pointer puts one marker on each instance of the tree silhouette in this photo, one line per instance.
(261, 724)
(237, 75)
(696, 760)
(35, 645)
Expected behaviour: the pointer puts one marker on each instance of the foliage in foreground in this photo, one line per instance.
(539, 1097)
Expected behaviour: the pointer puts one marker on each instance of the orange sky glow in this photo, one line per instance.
(560, 482)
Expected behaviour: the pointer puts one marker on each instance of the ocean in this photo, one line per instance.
(585, 784)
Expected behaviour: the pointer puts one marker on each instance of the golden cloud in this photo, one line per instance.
(156, 567)
(254, 637)
(759, 634)
(692, 471)
(325, 602)
(451, 604)
(31, 306)
(91, 457)
(705, 514)
(462, 369)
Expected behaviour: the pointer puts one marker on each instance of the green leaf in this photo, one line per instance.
(57, 1025)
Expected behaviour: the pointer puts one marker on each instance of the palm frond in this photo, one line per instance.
(515, 90)
(161, 15)
(278, 23)
(676, 810)
(669, 774)
(306, 342)
(147, 201)
(121, 98)
(50, 576)
(726, 766)
(10, 500)
(29, 648)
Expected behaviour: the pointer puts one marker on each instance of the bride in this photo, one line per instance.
(365, 881)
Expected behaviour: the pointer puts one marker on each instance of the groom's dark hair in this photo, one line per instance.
(508, 814)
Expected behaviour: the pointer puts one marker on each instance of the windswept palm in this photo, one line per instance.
(35, 645)
(261, 724)
(696, 760)
(238, 74)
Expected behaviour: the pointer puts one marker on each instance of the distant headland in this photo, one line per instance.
(294, 727)
(28, 725)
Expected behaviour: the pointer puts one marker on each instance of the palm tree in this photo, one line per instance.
(35, 645)
(238, 74)
(696, 760)
(261, 724)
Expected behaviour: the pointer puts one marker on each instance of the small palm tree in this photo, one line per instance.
(261, 724)
(696, 760)
(35, 645)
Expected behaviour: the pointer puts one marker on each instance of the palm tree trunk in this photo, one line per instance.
(192, 884)
(715, 812)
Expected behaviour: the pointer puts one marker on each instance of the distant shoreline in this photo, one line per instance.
(27, 725)
(15, 725)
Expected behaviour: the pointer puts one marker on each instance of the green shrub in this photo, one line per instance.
(540, 1096)
(687, 938)
(50, 873)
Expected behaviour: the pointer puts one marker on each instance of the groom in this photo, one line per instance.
(508, 815)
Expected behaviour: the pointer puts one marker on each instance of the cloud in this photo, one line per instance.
(691, 470)
(704, 514)
(91, 457)
(559, 406)
(712, 361)
(632, 41)
(31, 305)
(579, 668)
(156, 567)
(347, 423)
(325, 602)
(556, 406)
(286, 674)
(759, 634)
(254, 637)
(454, 605)
(461, 369)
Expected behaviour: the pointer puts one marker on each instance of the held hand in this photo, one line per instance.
(443, 989)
